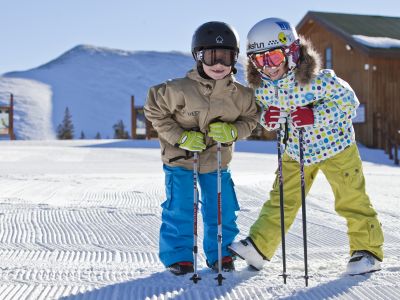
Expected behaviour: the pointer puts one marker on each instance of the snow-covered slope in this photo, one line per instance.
(97, 83)
(32, 107)
(80, 219)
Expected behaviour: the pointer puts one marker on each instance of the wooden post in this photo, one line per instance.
(377, 131)
(396, 148)
(148, 130)
(11, 118)
(133, 118)
(386, 138)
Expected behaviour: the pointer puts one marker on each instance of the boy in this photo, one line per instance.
(190, 115)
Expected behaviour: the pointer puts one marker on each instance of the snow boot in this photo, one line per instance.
(227, 264)
(181, 268)
(246, 250)
(362, 262)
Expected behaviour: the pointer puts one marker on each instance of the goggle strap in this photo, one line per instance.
(199, 55)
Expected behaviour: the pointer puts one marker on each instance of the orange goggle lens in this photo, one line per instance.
(272, 58)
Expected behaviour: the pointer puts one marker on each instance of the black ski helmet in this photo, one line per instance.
(215, 35)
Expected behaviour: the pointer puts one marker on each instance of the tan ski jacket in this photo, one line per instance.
(192, 103)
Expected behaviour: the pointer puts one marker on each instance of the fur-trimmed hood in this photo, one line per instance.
(308, 66)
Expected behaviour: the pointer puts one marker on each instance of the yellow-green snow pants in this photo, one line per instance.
(345, 176)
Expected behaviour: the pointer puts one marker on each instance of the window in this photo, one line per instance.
(328, 58)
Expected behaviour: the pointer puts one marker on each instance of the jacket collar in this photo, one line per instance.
(288, 80)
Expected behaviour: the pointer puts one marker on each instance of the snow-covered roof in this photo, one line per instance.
(378, 35)
(377, 42)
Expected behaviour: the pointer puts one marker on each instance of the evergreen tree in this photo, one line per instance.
(65, 130)
(119, 130)
(98, 136)
(82, 135)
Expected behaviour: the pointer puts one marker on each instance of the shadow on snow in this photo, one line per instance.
(164, 285)
(331, 290)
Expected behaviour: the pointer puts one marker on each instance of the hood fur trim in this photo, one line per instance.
(309, 63)
(308, 66)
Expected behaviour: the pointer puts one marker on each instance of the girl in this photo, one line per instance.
(294, 95)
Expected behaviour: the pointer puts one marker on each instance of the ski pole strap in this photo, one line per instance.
(222, 145)
(187, 155)
(286, 133)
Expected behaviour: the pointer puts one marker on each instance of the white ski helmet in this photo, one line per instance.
(273, 33)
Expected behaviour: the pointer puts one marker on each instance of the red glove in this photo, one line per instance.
(302, 116)
(272, 117)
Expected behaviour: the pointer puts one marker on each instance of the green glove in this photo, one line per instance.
(192, 141)
(223, 132)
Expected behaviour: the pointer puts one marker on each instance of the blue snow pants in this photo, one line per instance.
(176, 233)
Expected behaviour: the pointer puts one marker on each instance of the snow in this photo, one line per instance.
(32, 107)
(96, 84)
(80, 220)
(377, 42)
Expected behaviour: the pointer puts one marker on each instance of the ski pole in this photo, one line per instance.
(195, 276)
(219, 236)
(282, 210)
(303, 204)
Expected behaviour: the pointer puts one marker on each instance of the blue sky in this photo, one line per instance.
(34, 32)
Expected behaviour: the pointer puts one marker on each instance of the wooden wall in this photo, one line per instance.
(385, 87)
(348, 65)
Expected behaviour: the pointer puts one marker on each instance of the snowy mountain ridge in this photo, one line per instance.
(96, 84)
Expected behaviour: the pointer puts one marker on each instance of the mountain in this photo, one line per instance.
(96, 84)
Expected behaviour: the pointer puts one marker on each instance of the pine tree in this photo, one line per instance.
(98, 136)
(119, 131)
(65, 131)
(82, 135)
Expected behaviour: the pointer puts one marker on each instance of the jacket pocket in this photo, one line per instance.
(375, 232)
(168, 191)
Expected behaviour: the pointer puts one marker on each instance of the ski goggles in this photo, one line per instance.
(270, 59)
(211, 57)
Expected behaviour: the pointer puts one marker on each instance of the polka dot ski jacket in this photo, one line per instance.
(333, 101)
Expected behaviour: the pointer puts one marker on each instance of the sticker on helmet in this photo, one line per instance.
(284, 25)
(219, 39)
(255, 45)
(282, 38)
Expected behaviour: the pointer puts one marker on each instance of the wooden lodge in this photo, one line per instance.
(365, 51)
